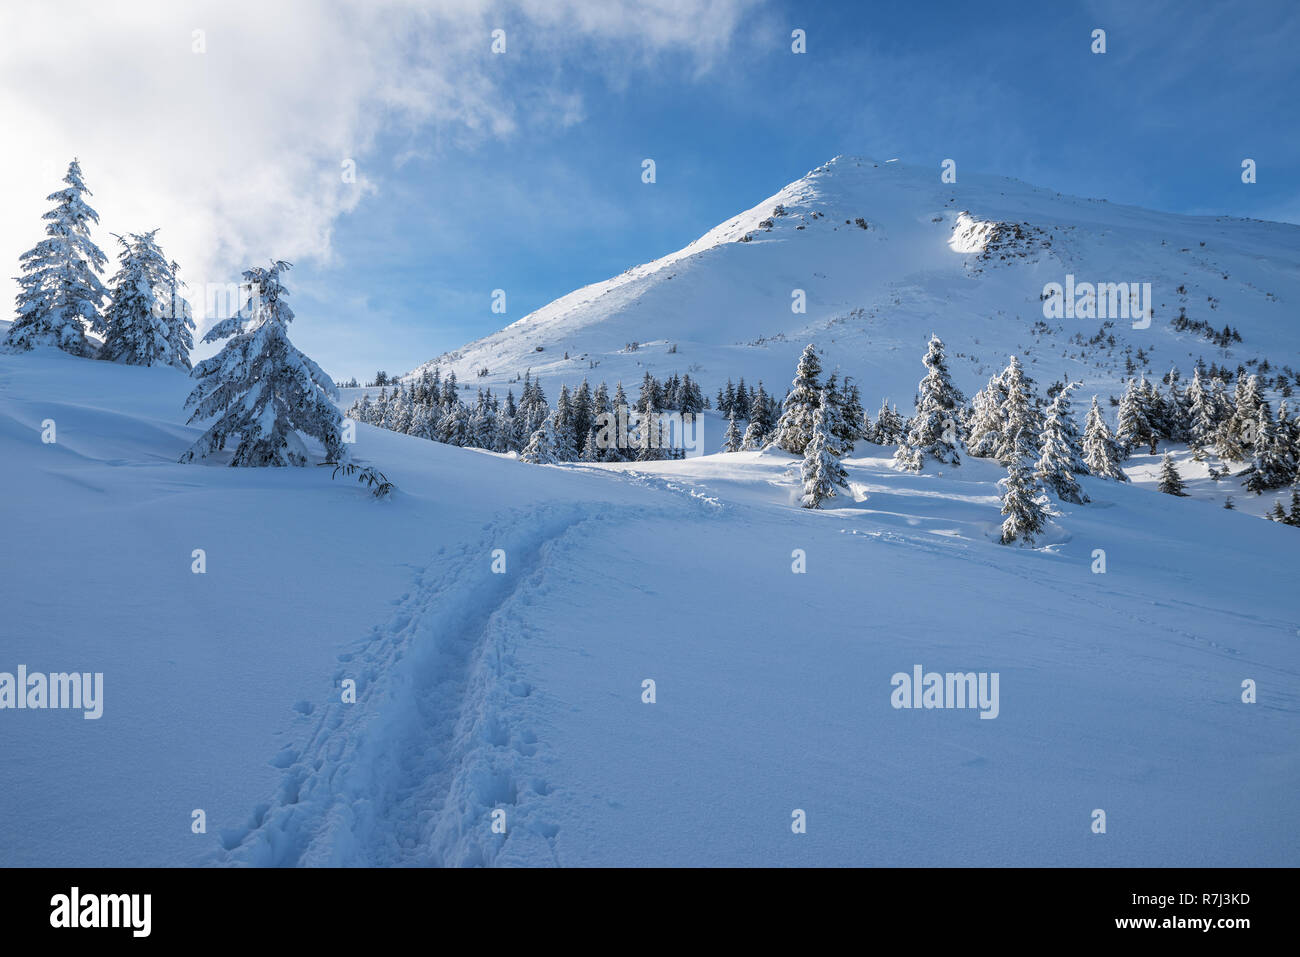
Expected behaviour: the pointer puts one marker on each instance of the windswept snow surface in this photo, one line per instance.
(522, 691)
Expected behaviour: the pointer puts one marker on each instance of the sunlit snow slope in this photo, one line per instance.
(522, 692)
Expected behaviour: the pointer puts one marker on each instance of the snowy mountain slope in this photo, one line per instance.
(522, 692)
(968, 260)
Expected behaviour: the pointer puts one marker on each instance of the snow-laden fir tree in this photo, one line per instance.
(760, 421)
(1157, 415)
(1023, 501)
(261, 388)
(604, 417)
(1286, 433)
(986, 423)
(843, 434)
(731, 441)
(933, 430)
(481, 431)
(794, 429)
(856, 421)
(1070, 434)
(1133, 429)
(889, 427)
(453, 427)
(1271, 465)
(1177, 410)
(1235, 440)
(59, 291)
(1020, 418)
(564, 425)
(1202, 414)
(1171, 483)
(147, 321)
(543, 446)
(821, 471)
(1060, 459)
(1101, 453)
(649, 437)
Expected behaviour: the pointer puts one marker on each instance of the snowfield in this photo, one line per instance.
(523, 692)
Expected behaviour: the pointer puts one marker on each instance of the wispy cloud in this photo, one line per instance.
(228, 124)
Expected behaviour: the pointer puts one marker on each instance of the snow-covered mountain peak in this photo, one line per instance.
(868, 257)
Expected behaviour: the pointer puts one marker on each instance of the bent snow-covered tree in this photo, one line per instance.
(263, 389)
(59, 291)
(147, 321)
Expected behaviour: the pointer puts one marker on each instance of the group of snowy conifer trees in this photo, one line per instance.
(1039, 443)
(1043, 451)
(431, 407)
(141, 317)
(262, 391)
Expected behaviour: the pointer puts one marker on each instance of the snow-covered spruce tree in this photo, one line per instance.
(147, 321)
(1171, 483)
(1157, 415)
(1101, 453)
(933, 430)
(856, 421)
(543, 446)
(1287, 436)
(760, 421)
(481, 431)
(794, 429)
(1270, 466)
(1021, 420)
(1060, 459)
(889, 427)
(1070, 427)
(453, 427)
(59, 292)
(843, 433)
(1236, 437)
(263, 389)
(1202, 414)
(1177, 409)
(564, 426)
(731, 441)
(1023, 501)
(984, 434)
(617, 446)
(821, 471)
(181, 318)
(1133, 430)
(649, 436)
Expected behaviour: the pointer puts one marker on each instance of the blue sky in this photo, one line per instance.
(521, 171)
(1162, 119)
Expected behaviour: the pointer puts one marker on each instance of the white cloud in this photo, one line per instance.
(237, 152)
